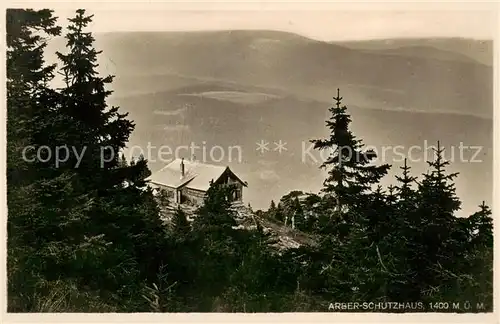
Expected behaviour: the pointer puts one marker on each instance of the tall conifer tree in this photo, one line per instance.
(435, 252)
(350, 169)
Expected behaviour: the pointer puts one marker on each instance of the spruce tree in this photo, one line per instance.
(479, 258)
(100, 129)
(400, 238)
(251, 280)
(435, 252)
(92, 230)
(439, 185)
(33, 217)
(216, 208)
(128, 214)
(181, 226)
(30, 102)
(406, 181)
(481, 227)
(53, 250)
(351, 176)
(216, 241)
(350, 169)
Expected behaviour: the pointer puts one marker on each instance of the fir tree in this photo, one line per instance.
(180, 223)
(351, 176)
(435, 252)
(481, 227)
(100, 129)
(217, 248)
(440, 186)
(403, 242)
(216, 209)
(392, 196)
(32, 215)
(84, 227)
(406, 181)
(349, 171)
(30, 102)
(479, 258)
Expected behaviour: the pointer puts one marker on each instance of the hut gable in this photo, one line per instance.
(193, 176)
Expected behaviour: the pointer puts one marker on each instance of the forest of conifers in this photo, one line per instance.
(90, 239)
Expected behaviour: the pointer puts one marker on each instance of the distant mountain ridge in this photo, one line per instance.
(307, 68)
(240, 87)
(478, 50)
(425, 75)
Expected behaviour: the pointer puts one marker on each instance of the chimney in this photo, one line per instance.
(182, 168)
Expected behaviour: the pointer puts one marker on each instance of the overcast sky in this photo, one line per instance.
(330, 24)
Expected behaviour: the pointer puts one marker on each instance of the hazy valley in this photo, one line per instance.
(238, 88)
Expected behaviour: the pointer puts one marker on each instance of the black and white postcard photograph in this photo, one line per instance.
(255, 157)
